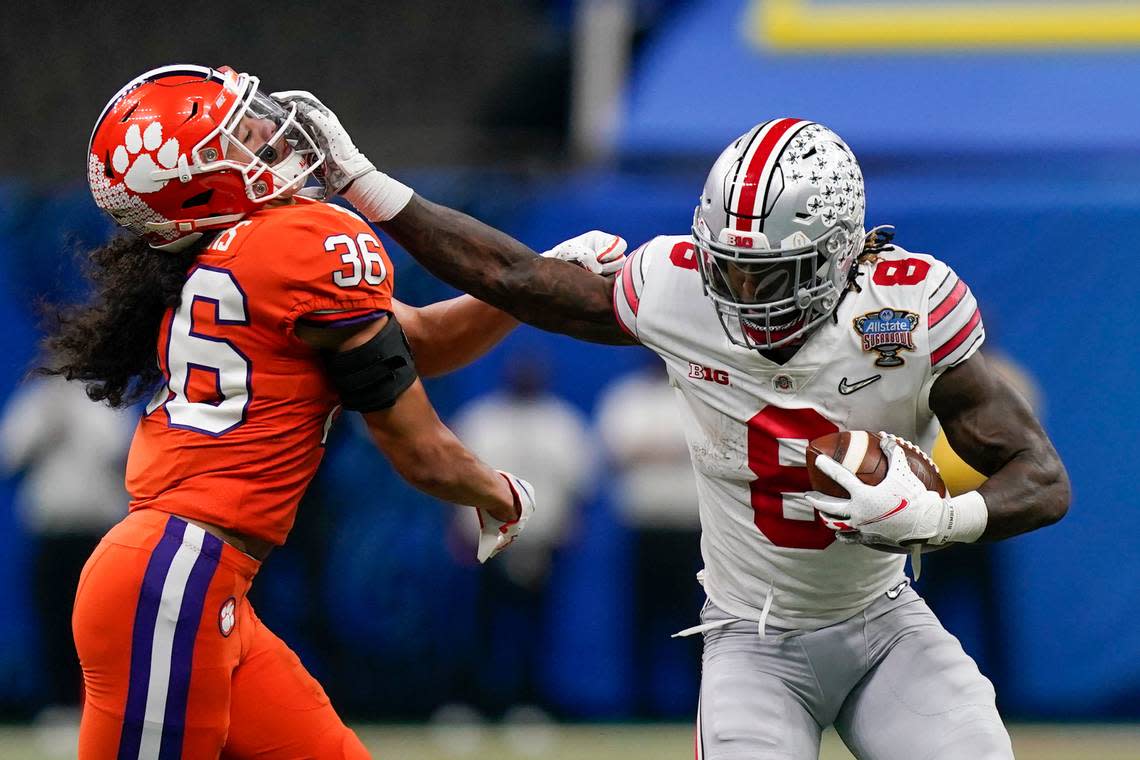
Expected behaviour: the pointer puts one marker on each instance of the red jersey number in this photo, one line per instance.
(684, 255)
(904, 272)
(774, 480)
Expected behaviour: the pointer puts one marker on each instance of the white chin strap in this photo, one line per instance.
(181, 244)
(191, 229)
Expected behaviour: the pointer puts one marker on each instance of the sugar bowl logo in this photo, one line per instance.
(887, 331)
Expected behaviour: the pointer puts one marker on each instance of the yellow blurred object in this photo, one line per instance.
(804, 25)
(959, 476)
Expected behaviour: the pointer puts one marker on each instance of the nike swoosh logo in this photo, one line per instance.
(893, 593)
(902, 505)
(848, 388)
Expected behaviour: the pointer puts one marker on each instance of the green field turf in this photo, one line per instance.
(606, 742)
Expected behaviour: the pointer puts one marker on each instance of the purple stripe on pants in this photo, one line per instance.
(182, 654)
(146, 614)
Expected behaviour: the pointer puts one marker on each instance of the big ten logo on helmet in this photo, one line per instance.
(740, 239)
(712, 375)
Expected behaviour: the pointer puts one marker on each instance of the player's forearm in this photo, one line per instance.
(501, 271)
(994, 431)
(451, 473)
(429, 456)
(451, 334)
(1027, 486)
(461, 251)
(1028, 492)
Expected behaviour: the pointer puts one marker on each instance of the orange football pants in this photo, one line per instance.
(177, 665)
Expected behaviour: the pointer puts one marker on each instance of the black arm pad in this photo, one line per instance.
(373, 375)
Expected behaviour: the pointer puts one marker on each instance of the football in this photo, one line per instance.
(859, 451)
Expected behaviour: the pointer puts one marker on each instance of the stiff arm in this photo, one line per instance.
(993, 429)
(495, 268)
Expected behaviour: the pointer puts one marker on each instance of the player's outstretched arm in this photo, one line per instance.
(494, 267)
(465, 253)
(993, 429)
(451, 334)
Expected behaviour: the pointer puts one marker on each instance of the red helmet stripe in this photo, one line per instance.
(749, 187)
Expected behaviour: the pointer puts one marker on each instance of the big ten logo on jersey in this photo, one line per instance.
(712, 375)
(363, 256)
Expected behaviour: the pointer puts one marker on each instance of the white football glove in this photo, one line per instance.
(343, 160)
(600, 252)
(495, 535)
(899, 511)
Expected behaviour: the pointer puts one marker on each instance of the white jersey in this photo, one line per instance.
(748, 420)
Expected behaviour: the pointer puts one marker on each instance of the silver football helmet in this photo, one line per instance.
(777, 230)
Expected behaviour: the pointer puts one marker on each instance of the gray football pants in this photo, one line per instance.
(894, 683)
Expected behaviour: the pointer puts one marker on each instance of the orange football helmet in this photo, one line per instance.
(182, 149)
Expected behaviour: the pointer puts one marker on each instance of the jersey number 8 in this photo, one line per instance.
(778, 476)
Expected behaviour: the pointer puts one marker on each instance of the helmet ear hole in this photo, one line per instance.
(201, 199)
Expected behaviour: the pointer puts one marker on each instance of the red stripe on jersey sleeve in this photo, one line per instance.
(631, 296)
(949, 346)
(617, 312)
(948, 303)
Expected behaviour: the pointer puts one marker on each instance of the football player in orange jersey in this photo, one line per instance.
(256, 314)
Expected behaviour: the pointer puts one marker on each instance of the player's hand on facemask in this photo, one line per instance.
(600, 252)
(496, 535)
(899, 511)
(343, 160)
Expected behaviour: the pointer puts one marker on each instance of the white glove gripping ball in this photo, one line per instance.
(899, 511)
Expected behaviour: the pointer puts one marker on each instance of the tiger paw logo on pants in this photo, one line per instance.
(137, 166)
(227, 616)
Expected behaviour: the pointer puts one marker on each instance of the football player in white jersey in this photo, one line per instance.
(780, 320)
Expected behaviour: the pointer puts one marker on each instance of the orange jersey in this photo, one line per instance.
(237, 432)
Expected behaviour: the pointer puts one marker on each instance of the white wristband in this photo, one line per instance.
(967, 518)
(378, 196)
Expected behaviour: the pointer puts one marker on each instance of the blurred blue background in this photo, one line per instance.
(1018, 161)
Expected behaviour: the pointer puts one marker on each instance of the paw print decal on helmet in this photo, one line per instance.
(158, 164)
(137, 167)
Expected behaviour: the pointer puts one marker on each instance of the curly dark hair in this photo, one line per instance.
(110, 342)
